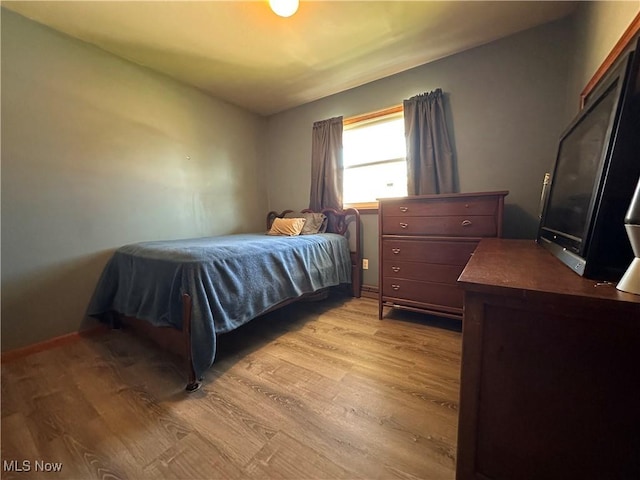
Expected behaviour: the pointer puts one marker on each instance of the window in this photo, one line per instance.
(374, 154)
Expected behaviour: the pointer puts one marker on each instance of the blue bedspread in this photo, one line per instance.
(231, 280)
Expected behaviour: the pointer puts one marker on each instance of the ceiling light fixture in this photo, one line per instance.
(284, 8)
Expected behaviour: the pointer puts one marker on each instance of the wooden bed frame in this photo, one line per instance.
(179, 341)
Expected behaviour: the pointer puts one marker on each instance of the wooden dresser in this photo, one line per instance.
(425, 242)
(550, 383)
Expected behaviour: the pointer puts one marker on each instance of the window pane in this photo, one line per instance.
(366, 184)
(374, 142)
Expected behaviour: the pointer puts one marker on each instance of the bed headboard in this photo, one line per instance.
(343, 222)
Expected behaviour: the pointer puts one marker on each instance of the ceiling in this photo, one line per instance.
(243, 53)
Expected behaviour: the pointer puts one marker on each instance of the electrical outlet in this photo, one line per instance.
(365, 264)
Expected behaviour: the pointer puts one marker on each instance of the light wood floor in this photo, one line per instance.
(316, 390)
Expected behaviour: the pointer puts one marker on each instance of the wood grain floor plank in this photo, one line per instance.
(292, 351)
(129, 420)
(193, 457)
(18, 444)
(284, 457)
(303, 421)
(296, 378)
(332, 435)
(314, 390)
(234, 429)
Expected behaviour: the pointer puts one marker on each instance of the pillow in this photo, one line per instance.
(315, 222)
(286, 226)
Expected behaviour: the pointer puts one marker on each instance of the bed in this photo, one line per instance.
(184, 293)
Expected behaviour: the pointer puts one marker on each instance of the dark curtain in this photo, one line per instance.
(326, 165)
(429, 156)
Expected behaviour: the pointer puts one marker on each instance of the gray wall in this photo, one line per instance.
(598, 26)
(507, 109)
(98, 152)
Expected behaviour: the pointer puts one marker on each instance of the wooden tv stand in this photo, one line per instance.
(550, 385)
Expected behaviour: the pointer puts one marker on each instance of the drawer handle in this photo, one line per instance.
(404, 225)
(395, 286)
(466, 223)
(395, 269)
(404, 209)
(395, 250)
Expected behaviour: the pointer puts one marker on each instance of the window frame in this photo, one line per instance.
(369, 207)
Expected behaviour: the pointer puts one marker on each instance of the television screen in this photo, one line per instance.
(594, 175)
(581, 157)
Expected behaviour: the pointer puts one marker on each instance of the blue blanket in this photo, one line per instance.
(231, 280)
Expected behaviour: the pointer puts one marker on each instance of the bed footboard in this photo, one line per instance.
(171, 339)
(193, 383)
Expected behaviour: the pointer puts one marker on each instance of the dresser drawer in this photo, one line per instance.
(423, 292)
(425, 242)
(426, 272)
(428, 251)
(441, 207)
(458, 226)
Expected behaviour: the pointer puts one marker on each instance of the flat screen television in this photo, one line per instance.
(594, 176)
